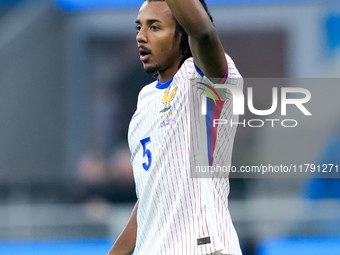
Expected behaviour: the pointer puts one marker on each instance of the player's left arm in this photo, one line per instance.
(204, 41)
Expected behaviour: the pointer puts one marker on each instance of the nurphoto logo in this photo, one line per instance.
(239, 99)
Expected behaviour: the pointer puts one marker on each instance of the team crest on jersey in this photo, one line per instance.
(166, 111)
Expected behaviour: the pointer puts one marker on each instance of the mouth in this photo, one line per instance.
(144, 53)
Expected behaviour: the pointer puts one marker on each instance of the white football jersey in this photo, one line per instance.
(182, 211)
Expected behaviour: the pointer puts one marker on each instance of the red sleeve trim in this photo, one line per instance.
(225, 77)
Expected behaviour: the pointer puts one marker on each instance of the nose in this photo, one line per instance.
(141, 35)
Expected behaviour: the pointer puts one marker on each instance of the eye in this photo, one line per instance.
(138, 28)
(154, 28)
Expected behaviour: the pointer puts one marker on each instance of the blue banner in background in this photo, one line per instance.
(87, 5)
(9, 2)
(333, 31)
(86, 246)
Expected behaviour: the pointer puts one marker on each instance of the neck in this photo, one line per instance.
(169, 73)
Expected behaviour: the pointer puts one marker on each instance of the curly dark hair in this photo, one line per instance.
(184, 45)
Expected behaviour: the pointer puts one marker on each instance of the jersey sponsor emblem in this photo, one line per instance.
(166, 111)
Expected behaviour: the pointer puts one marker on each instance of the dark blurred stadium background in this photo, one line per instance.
(69, 80)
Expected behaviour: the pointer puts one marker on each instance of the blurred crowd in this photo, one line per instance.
(106, 179)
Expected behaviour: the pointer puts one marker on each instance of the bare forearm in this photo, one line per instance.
(125, 243)
(205, 44)
(192, 16)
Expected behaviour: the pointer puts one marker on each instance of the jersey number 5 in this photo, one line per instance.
(146, 153)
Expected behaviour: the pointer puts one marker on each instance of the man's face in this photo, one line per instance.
(159, 49)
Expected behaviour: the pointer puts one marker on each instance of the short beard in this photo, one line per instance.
(152, 70)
